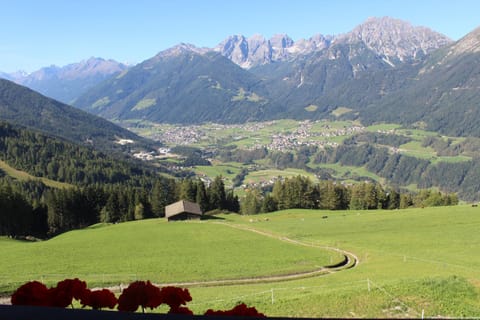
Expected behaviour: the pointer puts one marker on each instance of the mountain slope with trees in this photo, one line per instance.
(22, 106)
(383, 70)
(103, 188)
(442, 96)
(180, 85)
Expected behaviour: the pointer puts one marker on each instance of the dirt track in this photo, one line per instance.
(350, 261)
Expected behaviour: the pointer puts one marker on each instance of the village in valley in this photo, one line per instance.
(273, 136)
(249, 136)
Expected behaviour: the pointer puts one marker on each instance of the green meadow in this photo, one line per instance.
(267, 174)
(159, 251)
(412, 263)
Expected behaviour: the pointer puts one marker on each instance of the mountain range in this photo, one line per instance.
(384, 70)
(391, 39)
(68, 82)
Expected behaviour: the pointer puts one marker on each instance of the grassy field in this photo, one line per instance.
(266, 175)
(227, 170)
(411, 261)
(350, 173)
(154, 249)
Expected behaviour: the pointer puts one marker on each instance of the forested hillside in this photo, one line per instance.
(179, 85)
(103, 188)
(460, 176)
(22, 106)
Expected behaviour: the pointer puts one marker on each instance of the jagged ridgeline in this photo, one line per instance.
(383, 70)
(66, 83)
(180, 85)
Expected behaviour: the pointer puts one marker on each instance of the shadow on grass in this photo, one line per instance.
(211, 217)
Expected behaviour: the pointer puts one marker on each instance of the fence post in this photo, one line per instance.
(273, 299)
(368, 284)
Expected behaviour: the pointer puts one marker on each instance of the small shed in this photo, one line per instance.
(183, 210)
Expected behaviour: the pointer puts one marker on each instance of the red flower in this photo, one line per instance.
(99, 299)
(32, 293)
(139, 293)
(180, 310)
(174, 296)
(239, 310)
(62, 295)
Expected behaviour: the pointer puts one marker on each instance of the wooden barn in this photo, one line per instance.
(183, 210)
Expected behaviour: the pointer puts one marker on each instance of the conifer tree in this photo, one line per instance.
(201, 196)
(216, 193)
(251, 203)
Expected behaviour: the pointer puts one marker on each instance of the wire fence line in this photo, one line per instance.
(275, 290)
(274, 294)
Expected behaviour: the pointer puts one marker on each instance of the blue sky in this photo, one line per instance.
(38, 33)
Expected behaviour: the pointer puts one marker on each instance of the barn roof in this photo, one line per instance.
(182, 206)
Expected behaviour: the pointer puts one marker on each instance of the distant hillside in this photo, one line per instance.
(67, 83)
(22, 106)
(41, 155)
(180, 85)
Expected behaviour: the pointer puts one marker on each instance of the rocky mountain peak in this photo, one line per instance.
(236, 48)
(281, 41)
(395, 39)
(468, 44)
(256, 50)
(306, 46)
(91, 67)
(180, 49)
(68, 82)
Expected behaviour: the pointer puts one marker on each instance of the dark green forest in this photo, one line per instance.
(22, 106)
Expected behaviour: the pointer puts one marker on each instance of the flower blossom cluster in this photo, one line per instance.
(35, 293)
(138, 294)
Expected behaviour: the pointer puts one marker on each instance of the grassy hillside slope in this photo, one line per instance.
(412, 262)
(156, 250)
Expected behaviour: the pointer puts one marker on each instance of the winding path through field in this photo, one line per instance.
(350, 261)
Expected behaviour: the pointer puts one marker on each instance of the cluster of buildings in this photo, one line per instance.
(151, 155)
(305, 136)
(185, 135)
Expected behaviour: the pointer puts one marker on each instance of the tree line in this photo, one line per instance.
(300, 192)
(31, 208)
